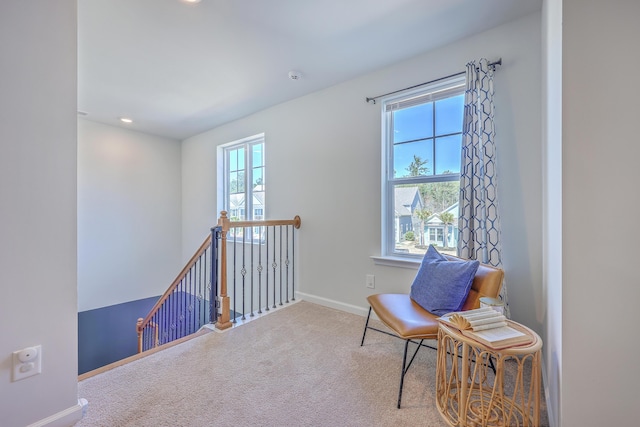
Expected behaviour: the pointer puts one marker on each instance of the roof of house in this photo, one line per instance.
(404, 199)
(435, 219)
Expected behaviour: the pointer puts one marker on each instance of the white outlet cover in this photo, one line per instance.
(32, 366)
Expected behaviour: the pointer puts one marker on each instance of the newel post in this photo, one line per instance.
(139, 330)
(224, 319)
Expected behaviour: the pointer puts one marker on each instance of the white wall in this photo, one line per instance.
(600, 292)
(38, 205)
(552, 209)
(129, 214)
(323, 163)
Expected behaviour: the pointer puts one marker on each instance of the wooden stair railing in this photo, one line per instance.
(155, 329)
(171, 317)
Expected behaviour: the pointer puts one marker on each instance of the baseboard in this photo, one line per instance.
(137, 356)
(65, 418)
(545, 386)
(338, 305)
(240, 322)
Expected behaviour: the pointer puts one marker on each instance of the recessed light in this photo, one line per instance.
(126, 120)
(190, 1)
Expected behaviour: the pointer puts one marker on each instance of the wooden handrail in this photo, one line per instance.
(296, 222)
(203, 247)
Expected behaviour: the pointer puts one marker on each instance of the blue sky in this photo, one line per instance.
(418, 122)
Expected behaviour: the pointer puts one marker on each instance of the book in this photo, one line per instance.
(477, 320)
(488, 327)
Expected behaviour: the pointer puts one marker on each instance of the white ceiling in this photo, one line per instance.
(178, 70)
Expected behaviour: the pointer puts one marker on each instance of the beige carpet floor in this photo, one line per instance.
(299, 366)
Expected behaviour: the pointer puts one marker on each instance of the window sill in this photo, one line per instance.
(391, 261)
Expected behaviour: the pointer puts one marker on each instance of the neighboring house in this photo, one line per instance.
(237, 205)
(407, 201)
(435, 229)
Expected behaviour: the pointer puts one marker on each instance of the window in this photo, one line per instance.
(244, 184)
(422, 139)
(435, 235)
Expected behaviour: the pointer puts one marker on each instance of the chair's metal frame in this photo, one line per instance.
(405, 366)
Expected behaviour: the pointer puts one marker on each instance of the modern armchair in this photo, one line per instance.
(410, 321)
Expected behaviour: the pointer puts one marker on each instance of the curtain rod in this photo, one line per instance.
(491, 64)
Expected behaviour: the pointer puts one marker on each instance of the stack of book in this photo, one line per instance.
(488, 327)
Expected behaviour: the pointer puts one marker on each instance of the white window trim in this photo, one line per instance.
(222, 177)
(388, 257)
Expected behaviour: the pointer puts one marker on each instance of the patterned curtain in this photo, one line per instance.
(479, 219)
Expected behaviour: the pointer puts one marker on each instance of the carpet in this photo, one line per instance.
(298, 366)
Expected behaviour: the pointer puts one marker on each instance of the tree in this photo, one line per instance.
(447, 219)
(237, 184)
(417, 167)
(439, 196)
(422, 215)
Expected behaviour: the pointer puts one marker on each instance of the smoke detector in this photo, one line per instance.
(295, 75)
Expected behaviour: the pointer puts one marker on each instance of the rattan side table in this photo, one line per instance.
(469, 394)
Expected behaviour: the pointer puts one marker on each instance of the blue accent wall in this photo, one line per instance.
(108, 334)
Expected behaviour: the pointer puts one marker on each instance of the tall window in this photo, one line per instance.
(422, 137)
(244, 183)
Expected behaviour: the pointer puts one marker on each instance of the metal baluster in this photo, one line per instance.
(203, 277)
(260, 272)
(183, 298)
(172, 314)
(293, 268)
(149, 334)
(178, 295)
(274, 265)
(182, 302)
(280, 271)
(187, 299)
(170, 318)
(235, 244)
(167, 320)
(286, 263)
(251, 281)
(159, 321)
(198, 284)
(195, 324)
(189, 306)
(266, 274)
(243, 272)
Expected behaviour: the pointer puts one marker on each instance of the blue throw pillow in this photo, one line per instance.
(441, 286)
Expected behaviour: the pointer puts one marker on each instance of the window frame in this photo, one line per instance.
(445, 88)
(224, 152)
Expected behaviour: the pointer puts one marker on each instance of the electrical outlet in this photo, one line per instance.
(371, 281)
(27, 362)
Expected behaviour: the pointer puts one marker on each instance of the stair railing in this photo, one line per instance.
(185, 306)
(255, 261)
